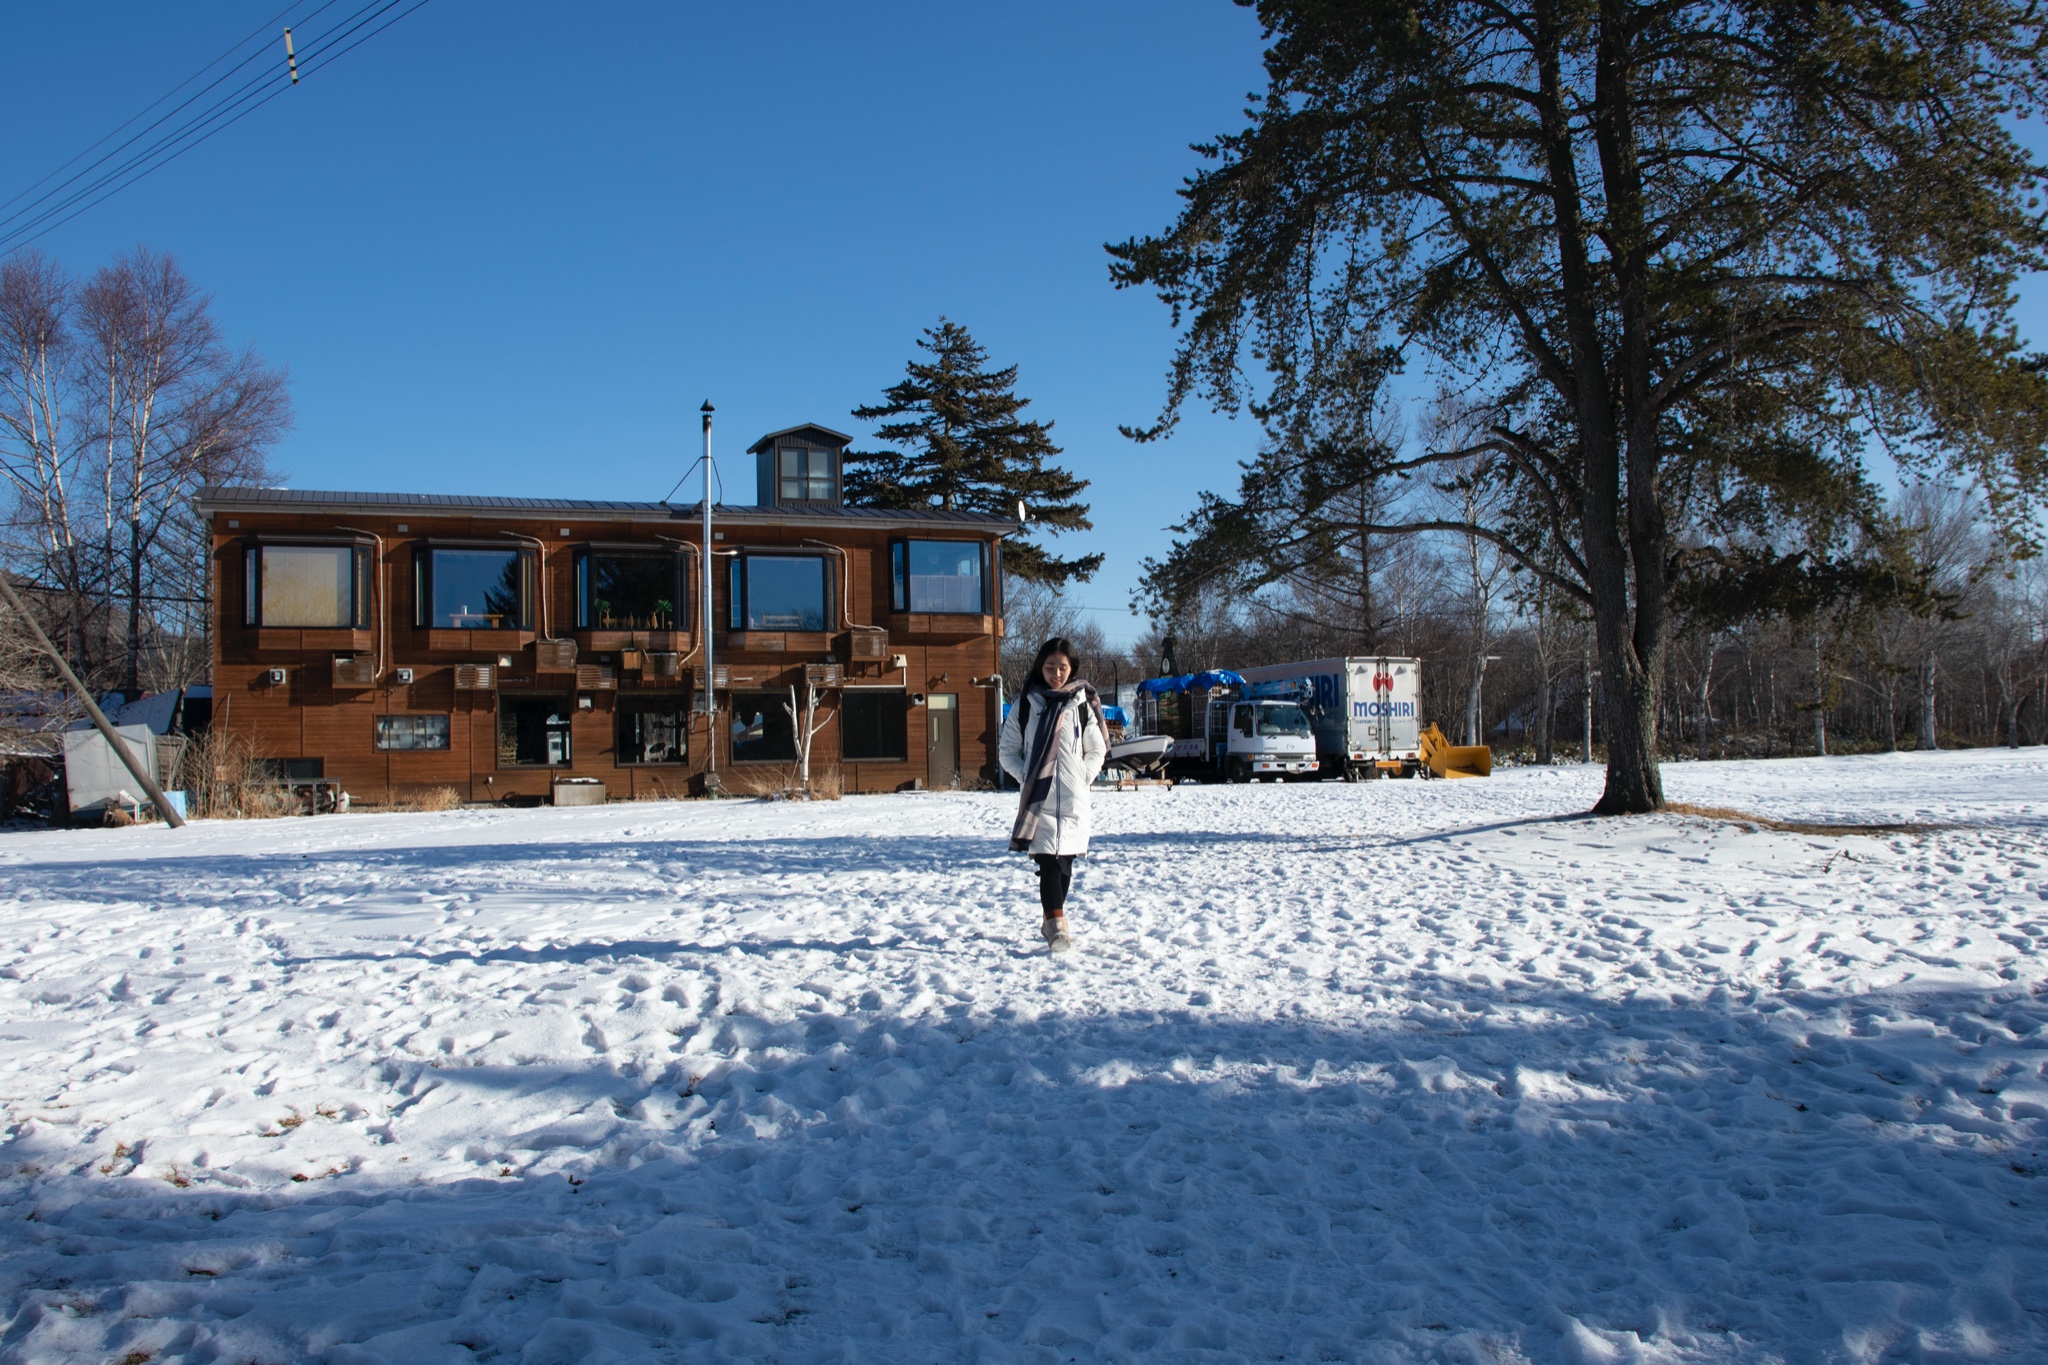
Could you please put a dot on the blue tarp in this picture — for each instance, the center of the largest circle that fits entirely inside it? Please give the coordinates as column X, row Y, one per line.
column 1215, row 677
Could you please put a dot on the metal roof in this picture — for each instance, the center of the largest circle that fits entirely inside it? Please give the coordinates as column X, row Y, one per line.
column 757, row 447
column 218, row 498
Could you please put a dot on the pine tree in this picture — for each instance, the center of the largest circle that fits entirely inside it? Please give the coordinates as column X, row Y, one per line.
column 961, row 444
column 1690, row 275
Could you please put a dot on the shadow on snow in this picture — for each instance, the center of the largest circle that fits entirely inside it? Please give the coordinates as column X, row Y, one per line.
column 1477, row 1175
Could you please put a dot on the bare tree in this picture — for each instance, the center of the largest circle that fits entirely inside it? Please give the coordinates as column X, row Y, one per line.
column 41, row 449
column 1036, row 612
column 2014, row 649
column 177, row 409
column 806, row 723
column 1947, row 556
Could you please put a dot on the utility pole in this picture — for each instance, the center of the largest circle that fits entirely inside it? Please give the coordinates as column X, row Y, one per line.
column 143, row 777
column 709, row 701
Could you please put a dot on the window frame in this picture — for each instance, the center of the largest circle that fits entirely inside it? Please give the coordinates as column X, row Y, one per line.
column 846, row 695
column 361, row 573
column 739, row 591
column 634, row 704
column 423, row 582
column 561, row 702
column 377, row 736
column 899, row 575
column 734, row 709
column 586, row 615
column 808, row 478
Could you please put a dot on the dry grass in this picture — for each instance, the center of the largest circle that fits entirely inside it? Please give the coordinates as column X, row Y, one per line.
column 221, row 774
column 783, row 783
column 827, row 784
column 1730, row 815
column 428, row 799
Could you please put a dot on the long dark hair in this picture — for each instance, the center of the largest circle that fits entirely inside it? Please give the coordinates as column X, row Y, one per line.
column 1058, row 644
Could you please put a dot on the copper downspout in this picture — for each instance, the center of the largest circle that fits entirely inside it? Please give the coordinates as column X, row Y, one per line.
column 541, row 549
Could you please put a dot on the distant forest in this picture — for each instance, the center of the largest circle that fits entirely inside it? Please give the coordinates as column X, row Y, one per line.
column 1956, row 656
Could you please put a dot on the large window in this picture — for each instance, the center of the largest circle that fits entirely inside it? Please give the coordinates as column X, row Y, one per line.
column 781, row 592
column 761, row 728
column 939, row 575
column 874, row 724
column 306, row 585
column 630, row 590
column 483, row 589
column 653, row 730
column 803, row 474
column 534, row 730
column 412, row 732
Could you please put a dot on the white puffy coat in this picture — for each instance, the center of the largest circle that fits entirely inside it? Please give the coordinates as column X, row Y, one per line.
column 1064, row 826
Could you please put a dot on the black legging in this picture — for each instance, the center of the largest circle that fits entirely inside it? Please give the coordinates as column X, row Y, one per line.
column 1055, row 879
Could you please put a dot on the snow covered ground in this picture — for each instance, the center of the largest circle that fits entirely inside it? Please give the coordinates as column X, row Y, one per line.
column 1395, row 1072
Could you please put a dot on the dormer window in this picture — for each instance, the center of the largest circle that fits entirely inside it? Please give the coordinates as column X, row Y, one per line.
column 799, row 466
column 805, row 473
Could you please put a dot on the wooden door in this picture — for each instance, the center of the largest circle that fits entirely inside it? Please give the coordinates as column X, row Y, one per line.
column 942, row 755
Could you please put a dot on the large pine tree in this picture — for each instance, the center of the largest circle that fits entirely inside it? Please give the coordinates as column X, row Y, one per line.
column 960, row 443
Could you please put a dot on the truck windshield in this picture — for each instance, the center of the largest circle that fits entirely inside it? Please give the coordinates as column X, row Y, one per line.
column 1285, row 719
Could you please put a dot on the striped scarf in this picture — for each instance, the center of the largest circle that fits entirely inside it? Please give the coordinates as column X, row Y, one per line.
column 1042, row 764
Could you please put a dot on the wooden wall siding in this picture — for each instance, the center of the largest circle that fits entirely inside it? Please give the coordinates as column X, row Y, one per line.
column 308, row 717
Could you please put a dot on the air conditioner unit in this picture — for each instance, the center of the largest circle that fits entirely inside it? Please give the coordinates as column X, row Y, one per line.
column 721, row 676
column 554, row 656
column 869, row 644
column 596, row 678
column 275, row 677
column 402, row 675
column 822, row 675
column 474, row 677
column 357, row 672
column 666, row 664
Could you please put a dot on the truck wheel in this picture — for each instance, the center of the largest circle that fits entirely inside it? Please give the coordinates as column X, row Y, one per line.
column 1237, row 770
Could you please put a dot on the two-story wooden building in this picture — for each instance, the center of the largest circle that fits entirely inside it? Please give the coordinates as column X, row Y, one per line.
column 398, row 642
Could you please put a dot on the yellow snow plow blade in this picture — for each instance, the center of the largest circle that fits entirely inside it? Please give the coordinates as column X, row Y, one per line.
column 1446, row 759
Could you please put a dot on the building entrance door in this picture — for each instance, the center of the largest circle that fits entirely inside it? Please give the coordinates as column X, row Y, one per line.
column 942, row 755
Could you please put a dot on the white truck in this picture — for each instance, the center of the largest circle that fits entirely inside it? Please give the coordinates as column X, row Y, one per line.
column 1221, row 733
column 1366, row 712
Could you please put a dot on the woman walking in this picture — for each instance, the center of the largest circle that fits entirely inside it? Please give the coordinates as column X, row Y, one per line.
column 1054, row 741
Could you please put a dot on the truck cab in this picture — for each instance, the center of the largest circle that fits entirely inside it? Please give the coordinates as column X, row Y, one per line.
column 1262, row 739
column 1221, row 731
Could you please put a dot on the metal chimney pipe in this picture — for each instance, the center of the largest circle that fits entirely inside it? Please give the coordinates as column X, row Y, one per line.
column 705, row 624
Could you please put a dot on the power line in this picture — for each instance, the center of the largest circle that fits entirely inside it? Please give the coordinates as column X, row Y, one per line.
column 73, row 197
column 223, row 114
column 243, row 42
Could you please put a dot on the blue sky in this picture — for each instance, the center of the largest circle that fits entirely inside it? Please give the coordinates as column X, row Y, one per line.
column 509, row 248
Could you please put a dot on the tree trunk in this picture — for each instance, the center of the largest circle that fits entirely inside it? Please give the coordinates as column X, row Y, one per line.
column 131, row 683
column 1475, row 704
column 1586, row 710
column 1706, row 701
column 1634, row 784
column 1543, row 704
column 1820, row 701
column 1928, row 739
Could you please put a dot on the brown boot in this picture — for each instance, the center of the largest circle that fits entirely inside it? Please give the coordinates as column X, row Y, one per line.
column 1055, row 932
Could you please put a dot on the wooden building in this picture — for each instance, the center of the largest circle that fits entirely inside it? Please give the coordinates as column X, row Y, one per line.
column 402, row 642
